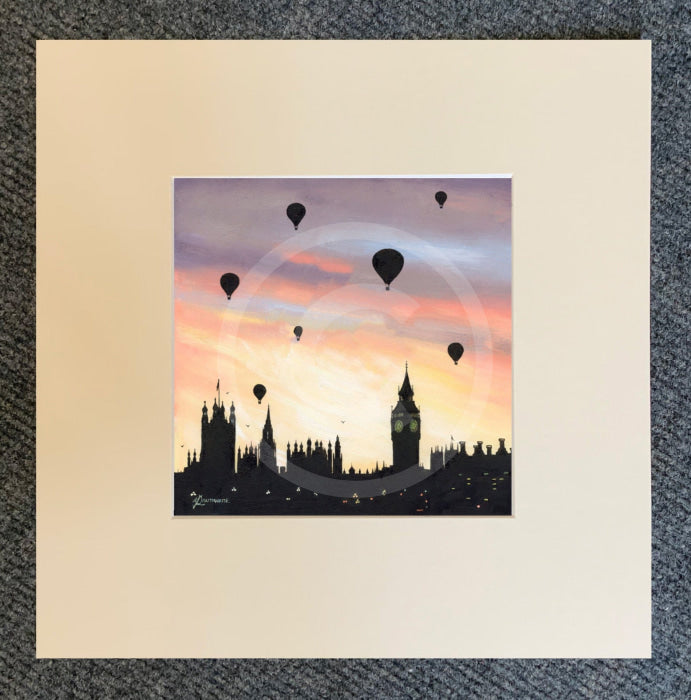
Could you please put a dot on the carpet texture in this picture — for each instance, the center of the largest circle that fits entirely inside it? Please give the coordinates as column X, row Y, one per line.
column 668, row 673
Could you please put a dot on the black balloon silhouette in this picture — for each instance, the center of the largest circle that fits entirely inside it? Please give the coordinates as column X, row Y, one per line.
column 296, row 212
column 229, row 282
column 259, row 391
column 387, row 264
column 441, row 198
column 455, row 352
column 298, row 332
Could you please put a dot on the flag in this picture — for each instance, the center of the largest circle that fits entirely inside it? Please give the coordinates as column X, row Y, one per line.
column 218, row 385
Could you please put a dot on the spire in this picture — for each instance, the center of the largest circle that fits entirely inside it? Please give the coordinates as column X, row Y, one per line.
column 268, row 417
column 405, row 393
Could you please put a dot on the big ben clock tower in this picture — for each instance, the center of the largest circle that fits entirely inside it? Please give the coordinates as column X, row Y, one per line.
column 405, row 428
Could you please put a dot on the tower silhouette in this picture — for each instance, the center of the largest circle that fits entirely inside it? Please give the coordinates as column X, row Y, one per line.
column 267, row 448
column 337, row 458
column 405, row 428
column 217, row 454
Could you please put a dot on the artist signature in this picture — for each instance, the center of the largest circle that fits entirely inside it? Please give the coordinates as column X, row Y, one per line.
column 199, row 501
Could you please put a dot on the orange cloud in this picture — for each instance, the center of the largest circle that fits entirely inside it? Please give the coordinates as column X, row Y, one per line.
column 334, row 380
column 496, row 312
column 324, row 263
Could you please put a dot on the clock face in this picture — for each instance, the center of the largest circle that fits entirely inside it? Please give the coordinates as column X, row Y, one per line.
column 398, row 426
column 413, row 425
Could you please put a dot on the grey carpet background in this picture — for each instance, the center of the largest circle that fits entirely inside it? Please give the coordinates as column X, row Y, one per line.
column 668, row 674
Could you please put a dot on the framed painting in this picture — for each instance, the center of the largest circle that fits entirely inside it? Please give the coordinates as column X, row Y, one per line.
column 343, row 346
column 172, row 175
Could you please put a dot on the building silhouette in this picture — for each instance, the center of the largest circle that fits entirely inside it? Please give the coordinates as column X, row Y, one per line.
column 217, row 453
column 267, row 448
column 405, row 428
column 316, row 458
column 440, row 457
column 247, row 480
column 248, row 460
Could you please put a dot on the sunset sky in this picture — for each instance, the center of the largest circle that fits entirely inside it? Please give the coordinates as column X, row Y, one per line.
column 342, row 377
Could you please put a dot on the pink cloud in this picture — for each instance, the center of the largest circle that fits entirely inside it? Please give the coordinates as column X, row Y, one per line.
column 324, row 263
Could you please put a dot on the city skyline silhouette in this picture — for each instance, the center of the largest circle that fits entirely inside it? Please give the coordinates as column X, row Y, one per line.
column 251, row 480
column 310, row 294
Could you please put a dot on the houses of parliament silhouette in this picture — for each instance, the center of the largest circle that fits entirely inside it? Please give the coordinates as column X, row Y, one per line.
column 230, row 480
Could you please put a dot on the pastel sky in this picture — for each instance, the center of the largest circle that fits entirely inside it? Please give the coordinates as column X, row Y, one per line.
column 342, row 377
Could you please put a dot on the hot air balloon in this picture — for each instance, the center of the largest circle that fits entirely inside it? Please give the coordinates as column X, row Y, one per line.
column 296, row 212
column 298, row 332
column 229, row 282
column 387, row 264
column 259, row 391
column 441, row 198
column 455, row 352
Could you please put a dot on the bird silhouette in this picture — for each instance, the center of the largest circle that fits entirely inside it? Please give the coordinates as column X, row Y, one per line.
column 342, row 421
column 246, row 426
column 181, row 445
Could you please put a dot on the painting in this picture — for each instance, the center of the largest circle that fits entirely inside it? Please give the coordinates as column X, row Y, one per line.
column 342, row 346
